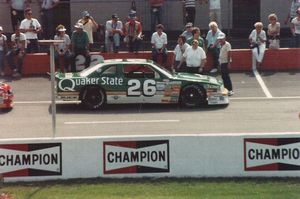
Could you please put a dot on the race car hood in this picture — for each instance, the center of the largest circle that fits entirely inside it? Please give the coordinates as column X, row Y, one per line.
column 66, row 75
column 197, row 78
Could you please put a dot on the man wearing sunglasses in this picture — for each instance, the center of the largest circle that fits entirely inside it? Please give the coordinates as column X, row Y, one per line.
column 195, row 58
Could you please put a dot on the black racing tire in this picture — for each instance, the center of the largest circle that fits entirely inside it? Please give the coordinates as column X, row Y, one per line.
column 193, row 96
column 93, row 97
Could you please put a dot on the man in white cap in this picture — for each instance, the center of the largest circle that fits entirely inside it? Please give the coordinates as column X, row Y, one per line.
column 80, row 46
column 113, row 33
column 89, row 25
column 3, row 47
column 225, row 59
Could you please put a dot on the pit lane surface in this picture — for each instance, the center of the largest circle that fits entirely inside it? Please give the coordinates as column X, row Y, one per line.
column 251, row 110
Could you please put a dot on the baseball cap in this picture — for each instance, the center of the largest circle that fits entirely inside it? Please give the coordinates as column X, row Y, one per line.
column 62, row 29
column 79, row 25
column 85, row 13
column 1, row 29
column 132, row 14
column 221, row 36
column 114, row 16
column 188, row 25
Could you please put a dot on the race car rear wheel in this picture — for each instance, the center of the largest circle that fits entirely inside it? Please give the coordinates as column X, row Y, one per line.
column 93, row 97
column 193, row 96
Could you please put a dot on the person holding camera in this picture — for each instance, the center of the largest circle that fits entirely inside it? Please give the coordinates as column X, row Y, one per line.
column 16, row 54
column 62, row 50
column 113, row 34
column 257, row 41
column 31, row 27
column 89, row 25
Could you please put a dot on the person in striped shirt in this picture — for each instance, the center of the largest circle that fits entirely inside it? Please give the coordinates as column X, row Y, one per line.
column 190, row 10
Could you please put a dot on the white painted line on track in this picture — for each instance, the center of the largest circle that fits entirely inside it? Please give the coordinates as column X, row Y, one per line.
column 231, row 98
column 262, row 83
column 122, row 122
column 264, row 98
column 46, row 102
column 258, row 134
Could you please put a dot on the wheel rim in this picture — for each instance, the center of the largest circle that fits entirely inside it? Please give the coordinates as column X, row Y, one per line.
column 193, row 96
column 93, row 98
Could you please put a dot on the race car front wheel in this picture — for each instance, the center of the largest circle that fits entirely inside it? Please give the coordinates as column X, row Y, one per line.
column 93, row 97
column 193, row 96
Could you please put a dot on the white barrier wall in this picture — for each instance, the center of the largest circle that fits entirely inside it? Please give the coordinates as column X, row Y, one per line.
column 267, row 155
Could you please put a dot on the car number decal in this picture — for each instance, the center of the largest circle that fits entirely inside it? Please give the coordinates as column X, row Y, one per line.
column 148, row 89
column 80, row 61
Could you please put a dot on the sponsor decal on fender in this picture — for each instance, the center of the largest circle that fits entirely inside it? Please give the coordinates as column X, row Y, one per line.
column 18, row 160
column 125, row 157
column 68, row 84
column 271, row 154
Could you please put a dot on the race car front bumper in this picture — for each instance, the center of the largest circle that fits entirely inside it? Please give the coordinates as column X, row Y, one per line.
column 6, row 102
column 215, row 98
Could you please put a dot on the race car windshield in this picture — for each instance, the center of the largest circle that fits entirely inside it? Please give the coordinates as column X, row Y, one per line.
column 163, row 70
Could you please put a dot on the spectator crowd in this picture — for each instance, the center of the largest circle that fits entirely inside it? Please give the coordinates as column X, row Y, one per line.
column 189, row 54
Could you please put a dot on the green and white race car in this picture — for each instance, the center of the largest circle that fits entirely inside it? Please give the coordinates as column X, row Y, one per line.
column 119, row 81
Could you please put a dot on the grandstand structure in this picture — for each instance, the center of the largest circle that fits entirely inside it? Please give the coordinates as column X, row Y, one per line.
column 237, row 15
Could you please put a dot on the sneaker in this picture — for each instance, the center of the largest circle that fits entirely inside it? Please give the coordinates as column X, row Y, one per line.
column 16, row 74
column 230, row 93
column 214, row 70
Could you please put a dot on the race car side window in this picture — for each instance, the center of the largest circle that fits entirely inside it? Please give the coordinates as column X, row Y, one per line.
column 155, row 73
column 139, row 71
column 111, row 70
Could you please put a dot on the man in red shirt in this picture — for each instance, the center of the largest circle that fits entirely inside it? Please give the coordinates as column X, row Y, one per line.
column 133, row 33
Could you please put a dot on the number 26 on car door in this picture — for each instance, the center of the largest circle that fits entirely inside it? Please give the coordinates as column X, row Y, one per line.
column 137, row 88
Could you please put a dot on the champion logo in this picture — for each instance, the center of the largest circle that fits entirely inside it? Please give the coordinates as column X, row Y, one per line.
column 18, row 160
column 123, row 157
column 272, row 154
